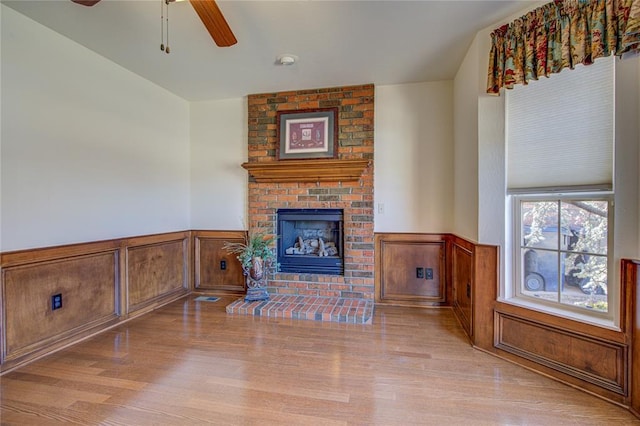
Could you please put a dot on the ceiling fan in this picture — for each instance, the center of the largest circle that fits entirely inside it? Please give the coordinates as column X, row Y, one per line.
column 209, row 14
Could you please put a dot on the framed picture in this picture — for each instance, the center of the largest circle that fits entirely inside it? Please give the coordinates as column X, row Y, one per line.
column 311, row 133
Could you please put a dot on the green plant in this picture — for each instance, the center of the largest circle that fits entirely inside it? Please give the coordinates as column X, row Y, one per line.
column 256, row 244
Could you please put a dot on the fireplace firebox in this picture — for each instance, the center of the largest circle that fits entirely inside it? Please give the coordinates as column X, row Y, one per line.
column 310, row 241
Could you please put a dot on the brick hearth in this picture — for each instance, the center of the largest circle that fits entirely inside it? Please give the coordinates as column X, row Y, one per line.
column 355, row 141
column 333, row 309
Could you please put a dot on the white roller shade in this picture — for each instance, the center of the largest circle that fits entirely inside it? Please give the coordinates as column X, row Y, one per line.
column 560, row 129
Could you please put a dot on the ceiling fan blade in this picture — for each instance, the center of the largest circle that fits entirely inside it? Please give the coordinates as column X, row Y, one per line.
column 214, row 21
column 86, row 2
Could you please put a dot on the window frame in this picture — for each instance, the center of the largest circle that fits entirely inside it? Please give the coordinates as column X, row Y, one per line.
column 556, row 307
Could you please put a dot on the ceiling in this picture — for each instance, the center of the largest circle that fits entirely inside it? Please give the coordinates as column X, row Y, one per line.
column 337, row 42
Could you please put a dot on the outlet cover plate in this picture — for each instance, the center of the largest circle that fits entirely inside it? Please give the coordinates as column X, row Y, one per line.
column 428, row 273
column 56, row 301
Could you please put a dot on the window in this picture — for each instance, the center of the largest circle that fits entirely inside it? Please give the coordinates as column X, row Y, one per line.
column 563, row 250
column 560, row 185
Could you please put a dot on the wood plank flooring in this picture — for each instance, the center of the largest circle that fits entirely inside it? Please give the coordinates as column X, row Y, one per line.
column 189, row 363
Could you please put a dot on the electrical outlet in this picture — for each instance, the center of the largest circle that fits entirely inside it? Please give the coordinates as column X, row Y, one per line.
column 419, row 272
column 56, row 302
column 223, row 264
column 428, row 273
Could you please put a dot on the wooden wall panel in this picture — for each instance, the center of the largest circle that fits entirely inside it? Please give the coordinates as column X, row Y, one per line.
column 593, row 360
column 461, row 282
column 209, row 252
column 485, row 281
column 92, row 279
column 397, row 258
column 155, row 271
column 631, row 278
column 596, row 359
column 88, row 285
column 474, row 270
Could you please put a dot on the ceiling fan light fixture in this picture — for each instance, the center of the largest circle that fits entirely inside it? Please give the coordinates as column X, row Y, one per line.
column 286, row 59
column 86, row 2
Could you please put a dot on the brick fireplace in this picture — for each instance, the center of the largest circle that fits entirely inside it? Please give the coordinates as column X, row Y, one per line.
column 354, row 197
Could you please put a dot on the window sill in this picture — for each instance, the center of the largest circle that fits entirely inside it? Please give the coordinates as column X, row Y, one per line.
column 562, row 313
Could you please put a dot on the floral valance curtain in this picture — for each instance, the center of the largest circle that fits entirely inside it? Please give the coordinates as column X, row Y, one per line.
column 560, row 35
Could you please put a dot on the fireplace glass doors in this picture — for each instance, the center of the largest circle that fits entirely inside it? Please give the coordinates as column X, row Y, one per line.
column 310, row 241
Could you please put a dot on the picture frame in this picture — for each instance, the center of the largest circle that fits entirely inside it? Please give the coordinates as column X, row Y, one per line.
column 309, row 133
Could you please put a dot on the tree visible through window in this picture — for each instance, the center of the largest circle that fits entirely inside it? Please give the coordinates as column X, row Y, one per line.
column 563, row 250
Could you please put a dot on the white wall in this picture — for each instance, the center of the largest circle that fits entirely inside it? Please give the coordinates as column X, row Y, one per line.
column 89, row 150
column 1, row 20
column 218, row 148
column 491, row 150
column 638, row 123
column 626, row 174
column 414, row 157
column 413, row 160
column 465, row 124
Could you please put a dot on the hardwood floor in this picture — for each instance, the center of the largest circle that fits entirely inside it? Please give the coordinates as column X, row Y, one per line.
column 191, row 363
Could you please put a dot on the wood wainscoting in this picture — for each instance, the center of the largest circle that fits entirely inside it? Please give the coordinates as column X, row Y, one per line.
column 101, row 284
column 87, row 285
column 215, row 269
column 601, row 362
column 456, row 264
column 631, row 280
column 410, row 269
column 596, row 359
column 462, row 277
column 474, row 278
column 156, row 268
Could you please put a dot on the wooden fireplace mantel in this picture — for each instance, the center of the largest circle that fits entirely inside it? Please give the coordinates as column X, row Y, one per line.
column 313, row 170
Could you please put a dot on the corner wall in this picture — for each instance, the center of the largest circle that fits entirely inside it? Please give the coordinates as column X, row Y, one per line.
column 414, row 188
column 465, row 150
column 218, row 148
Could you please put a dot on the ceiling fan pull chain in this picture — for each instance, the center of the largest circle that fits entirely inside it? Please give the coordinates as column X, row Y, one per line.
column 162, row 25
column 167, row 48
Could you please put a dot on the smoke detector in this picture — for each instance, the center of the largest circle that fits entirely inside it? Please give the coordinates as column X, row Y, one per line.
column 286, row 59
